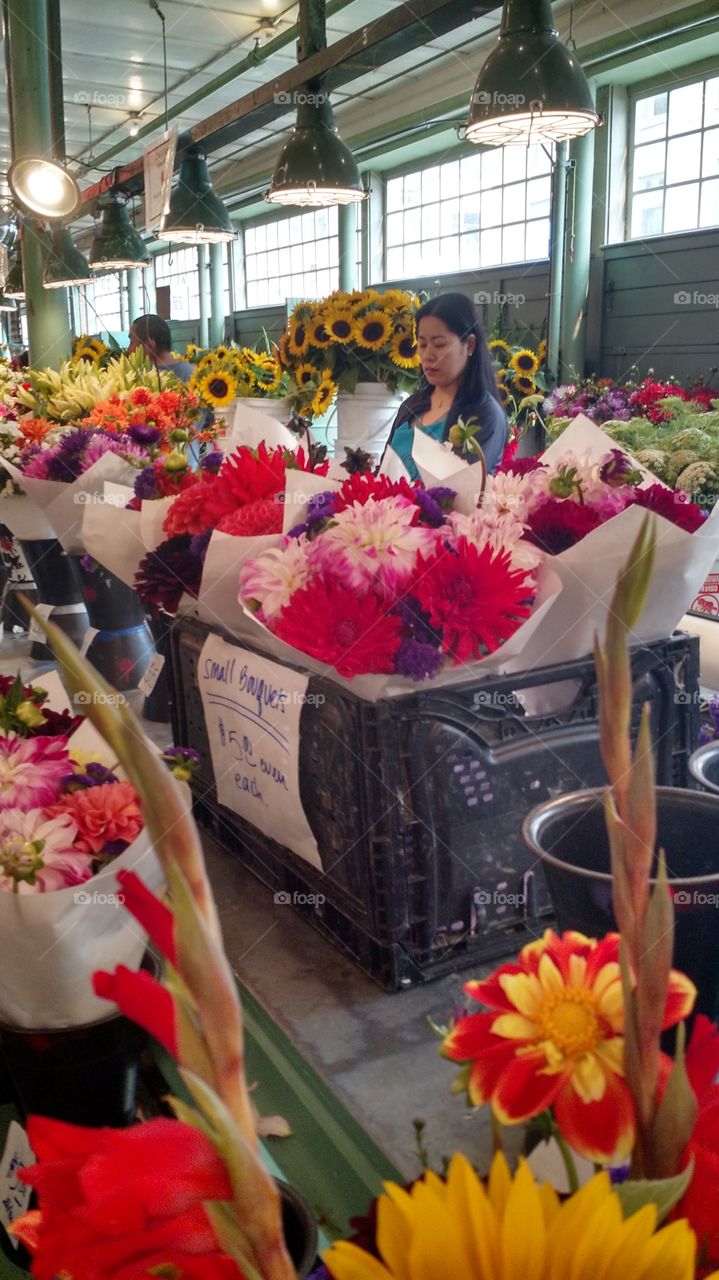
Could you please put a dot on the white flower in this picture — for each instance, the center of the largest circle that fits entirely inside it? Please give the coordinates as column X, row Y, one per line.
column 506, row 493
column 273, row 577
column 501, row 531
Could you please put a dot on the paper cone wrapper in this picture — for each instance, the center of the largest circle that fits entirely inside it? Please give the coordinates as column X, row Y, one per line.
column 63, row 504
column 119, row 539
column 217, row 603
column 251, row 427
column 25, row 520
column 52, row 943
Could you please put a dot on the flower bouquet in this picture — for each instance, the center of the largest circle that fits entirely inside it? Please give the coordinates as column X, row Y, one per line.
column 603, row 400
column 346, row 338
column 72, row 391
column 385, row 579
column 69, row 821
column 522, row 382
column 228, row 515
column 225, row 374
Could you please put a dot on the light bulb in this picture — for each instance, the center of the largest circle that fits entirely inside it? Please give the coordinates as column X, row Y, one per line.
column 46, row 185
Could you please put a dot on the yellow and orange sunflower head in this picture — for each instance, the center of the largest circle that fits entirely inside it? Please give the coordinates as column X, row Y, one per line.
column 524, row 384
column 511, row 1229
column 323, row 397
column 554, row 1038
column 403, row 349
column 524, row 362
column 542, row 351
column 319, row 334
column 372, row 330
column 219, row 389
column 298, row 339
column 304, row 374
column 340, row 323
column 500, row 349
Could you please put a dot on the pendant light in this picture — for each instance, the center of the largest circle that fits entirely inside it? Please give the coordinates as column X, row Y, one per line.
column 315, row 167
column 7, row 304
column 531, row 87
column 196, row 215
column 44, row 188
column 65, row 265
column 14, row 286
column 117, row 245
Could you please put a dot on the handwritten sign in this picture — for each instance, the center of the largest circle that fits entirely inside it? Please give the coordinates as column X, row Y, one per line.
column 158, row 162
column 252, row 712
column 14, row 1194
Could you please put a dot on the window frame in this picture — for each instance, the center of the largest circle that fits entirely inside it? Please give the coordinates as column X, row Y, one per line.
column 263, row 220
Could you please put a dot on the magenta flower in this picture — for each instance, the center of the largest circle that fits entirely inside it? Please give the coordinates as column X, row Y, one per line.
column 31, row 771
column 37, row 853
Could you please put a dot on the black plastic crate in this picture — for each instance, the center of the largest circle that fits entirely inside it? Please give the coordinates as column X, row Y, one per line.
column 417, row 802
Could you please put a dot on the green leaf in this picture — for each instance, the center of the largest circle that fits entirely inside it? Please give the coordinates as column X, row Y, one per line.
column 663, row 1192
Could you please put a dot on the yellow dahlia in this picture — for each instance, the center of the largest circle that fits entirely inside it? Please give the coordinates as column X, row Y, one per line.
column 323, row 397
column 403, row 350
column 372, row 330
column 219, row 389
column 524, row 361
column 511, row 1229
column 340, row 324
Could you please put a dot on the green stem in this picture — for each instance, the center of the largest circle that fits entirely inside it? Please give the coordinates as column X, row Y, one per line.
column 568, row 1159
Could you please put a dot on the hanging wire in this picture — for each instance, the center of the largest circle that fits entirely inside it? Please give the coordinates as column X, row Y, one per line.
column 570, row 38
column 156, row 8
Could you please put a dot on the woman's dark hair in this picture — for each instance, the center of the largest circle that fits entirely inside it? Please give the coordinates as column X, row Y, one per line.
column 152, row 328
column 459, row 314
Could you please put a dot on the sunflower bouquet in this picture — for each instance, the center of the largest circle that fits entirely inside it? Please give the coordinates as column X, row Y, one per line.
column 229, row 373
column 88, row 349
column 346, row 338
column 521, row 380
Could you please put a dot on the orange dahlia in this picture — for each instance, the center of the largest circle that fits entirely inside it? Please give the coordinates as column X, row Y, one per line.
column 555, row 1039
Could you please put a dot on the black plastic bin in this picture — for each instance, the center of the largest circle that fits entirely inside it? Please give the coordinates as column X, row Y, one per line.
column 417, row 802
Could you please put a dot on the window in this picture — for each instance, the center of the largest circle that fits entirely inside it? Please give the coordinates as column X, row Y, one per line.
column 295, row 257
column 103, row 307
column 178, row 268
column 480, row 211
column 675, row 160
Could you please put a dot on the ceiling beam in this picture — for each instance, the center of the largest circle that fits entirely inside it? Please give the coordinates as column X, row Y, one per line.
column 406, row 27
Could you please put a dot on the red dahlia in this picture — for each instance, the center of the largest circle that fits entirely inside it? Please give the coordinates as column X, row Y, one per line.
column 672, row 504
column 200, row 507
column 346, row 629
column 262, row 516
column 557, row 524
column 362, row 486
column 473, row 597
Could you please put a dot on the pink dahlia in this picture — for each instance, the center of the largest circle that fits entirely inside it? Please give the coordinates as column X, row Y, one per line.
column 105, row 815
column 39, row 853
column 375, row 545
column 31, row 771
column 270, row 579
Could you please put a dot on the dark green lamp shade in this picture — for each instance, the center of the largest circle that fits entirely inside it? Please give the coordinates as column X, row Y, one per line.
column 14, row 285
column 196, row 215
column 315, row 166
column 65, row 265
column 117, row 244
column 531, row 87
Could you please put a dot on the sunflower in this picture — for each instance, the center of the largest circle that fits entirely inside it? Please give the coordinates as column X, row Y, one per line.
column 503, row 394
column 299, row 338
column 364, row 298
column 323, row 397
column 526, row 385
column 219, row 389
column 509, row 1227
column 221, row 352
column 542, row 351
column 97, row 345
column 207, row 362
column 191, row 350
column 403, row 350
column 396, row 300
column 318, row 332
column 340, row 324
column 283, row 354
column 500, row 376
column 524, row 361
column 85, row 353
column 305, row 373
column 372, row 330
column 404, row 320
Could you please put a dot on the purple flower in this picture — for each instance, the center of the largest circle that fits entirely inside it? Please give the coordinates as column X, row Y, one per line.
column 417, row 621
column 181, row 753
column 94, row 775
column 416, row 660
column 710, row 732
column 212, row 461
column 618, row 470
column 144, row 433
column 434, row 504
column 146, row 485
column 199, row 542
column 88, row 563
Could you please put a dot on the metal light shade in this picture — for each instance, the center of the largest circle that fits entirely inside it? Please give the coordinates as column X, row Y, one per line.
column 531, row 87
column 196, row 215
column 14, row 286
column 65, row 265
column 315, row 166
column 117, row 245
column 44, row 187
column 7, row 304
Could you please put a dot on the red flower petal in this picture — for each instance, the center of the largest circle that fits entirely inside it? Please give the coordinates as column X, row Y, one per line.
column 153, row 915
column 521, row 1091
column 598, row 1130
column 489, row 991
column 703, row 1056
column 680, row 999
column 143, row 1000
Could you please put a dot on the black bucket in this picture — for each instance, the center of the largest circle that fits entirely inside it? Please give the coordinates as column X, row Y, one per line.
column 704, row 767
column 570, row 837
column 300, row 1229
column 123, row 646
column 58, row 586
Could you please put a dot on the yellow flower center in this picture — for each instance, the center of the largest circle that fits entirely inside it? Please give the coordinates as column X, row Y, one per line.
column 569, row 1018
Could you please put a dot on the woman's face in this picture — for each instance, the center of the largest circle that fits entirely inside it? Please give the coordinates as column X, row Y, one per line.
column 443, row 355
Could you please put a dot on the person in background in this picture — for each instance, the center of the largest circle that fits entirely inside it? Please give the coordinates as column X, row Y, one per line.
column 152, row 333
column 458, row 382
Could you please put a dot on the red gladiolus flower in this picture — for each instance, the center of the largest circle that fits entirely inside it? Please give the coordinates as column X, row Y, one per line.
column 124, row 1203
column 699, row 1202
column 555, row 1039
column 473, row 597
column 260, row 517
column 142, row 1000
column 350, row 631
column 156, row 919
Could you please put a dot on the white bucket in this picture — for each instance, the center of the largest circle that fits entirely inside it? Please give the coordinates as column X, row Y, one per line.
column 365, row 417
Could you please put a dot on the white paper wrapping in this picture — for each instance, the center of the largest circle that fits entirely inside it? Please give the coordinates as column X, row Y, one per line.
column 251, row 427
column 24, row 519
column 51, row 944
column 252, row 711
column 119, row 539
column 64, row 504
column 217, row 603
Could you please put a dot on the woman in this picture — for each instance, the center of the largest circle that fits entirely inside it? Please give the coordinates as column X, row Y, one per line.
column 458, row 383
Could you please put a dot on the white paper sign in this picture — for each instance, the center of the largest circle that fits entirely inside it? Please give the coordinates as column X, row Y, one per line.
column 36, row 634
column 158, row 161
column 252, row 712
column 147, row 682
column 14, row 1194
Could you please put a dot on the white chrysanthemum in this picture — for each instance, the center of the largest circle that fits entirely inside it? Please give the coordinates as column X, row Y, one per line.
column 272, row 577
column 374, row 544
